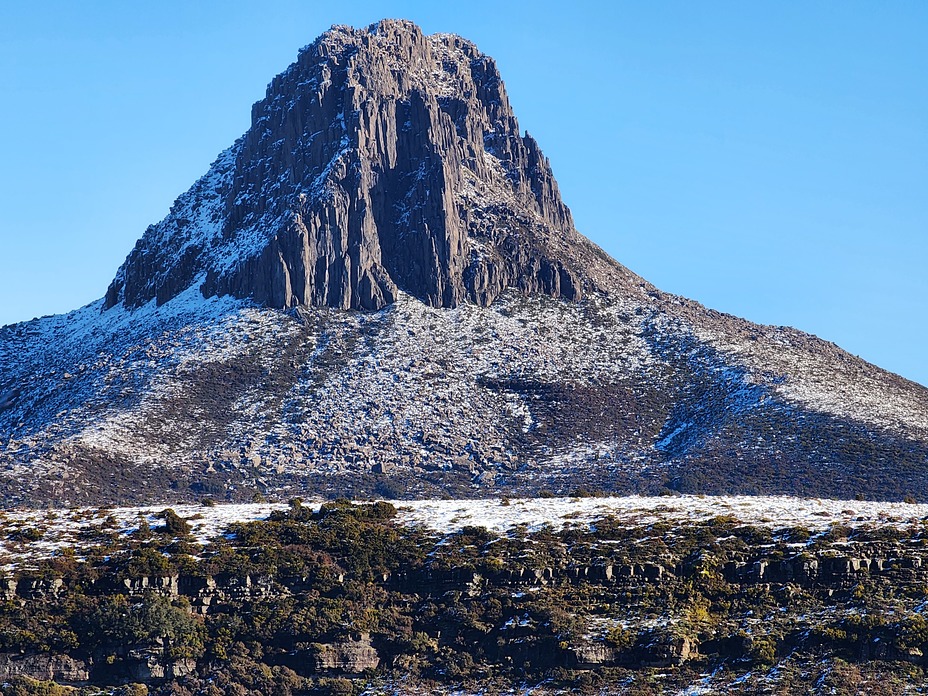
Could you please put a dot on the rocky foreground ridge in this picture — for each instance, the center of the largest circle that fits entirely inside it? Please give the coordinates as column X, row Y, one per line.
column 313, row 598
column 377, row 290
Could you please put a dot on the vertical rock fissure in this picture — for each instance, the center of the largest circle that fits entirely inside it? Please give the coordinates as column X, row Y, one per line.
column 382, row 161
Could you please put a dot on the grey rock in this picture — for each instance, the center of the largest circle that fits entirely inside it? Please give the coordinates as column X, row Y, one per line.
column 590, row 655
column 351, row 655
column 382, row 160
column 57, row 668
column 167, row 585
column 668, row 649
column 146, row 665
column 35, row 588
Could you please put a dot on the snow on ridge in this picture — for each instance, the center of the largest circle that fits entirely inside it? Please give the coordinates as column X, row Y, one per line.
column 62, row 528
column 775, row 512
column 194, row 223
column 127, row 363
column 207, row 331
column 823, row 377
column 104, row 362
column 389, row 381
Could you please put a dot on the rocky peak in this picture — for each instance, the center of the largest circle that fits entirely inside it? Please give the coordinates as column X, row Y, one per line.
column 382, row 160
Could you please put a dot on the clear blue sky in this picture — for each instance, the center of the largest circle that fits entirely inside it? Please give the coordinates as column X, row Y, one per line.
column 768, row 159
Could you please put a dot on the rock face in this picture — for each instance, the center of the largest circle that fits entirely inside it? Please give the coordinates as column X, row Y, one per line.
column 383, row 160
column 43, row 667
column 352, row 655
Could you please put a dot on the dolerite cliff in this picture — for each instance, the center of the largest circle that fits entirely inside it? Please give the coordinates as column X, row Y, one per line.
column 377, row 290
column 381, row 161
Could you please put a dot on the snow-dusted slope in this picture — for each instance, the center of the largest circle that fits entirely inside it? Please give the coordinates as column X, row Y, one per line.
column 225, row 398
column 72, row 528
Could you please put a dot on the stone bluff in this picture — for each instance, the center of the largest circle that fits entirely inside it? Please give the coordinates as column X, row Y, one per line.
column 382, row 160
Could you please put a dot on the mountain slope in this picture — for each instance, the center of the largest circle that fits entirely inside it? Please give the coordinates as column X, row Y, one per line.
column 497, row 350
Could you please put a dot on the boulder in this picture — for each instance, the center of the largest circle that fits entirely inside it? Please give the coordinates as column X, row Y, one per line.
column 350, row 655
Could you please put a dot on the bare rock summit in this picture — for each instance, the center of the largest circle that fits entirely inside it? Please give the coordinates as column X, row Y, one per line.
column 382, row 160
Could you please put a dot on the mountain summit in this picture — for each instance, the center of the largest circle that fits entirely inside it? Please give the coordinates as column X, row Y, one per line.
column 382, row 161
column 498, row 351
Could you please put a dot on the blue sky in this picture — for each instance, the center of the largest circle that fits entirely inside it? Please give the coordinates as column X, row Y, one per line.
column 767, row 159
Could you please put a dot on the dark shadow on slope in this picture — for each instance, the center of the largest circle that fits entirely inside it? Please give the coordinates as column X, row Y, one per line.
column 565, row 415
column 776, row 449
column 728, row 435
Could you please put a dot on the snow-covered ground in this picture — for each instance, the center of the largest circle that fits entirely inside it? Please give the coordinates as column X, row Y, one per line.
column 776, row 512
column 364, row 388
column 64, row 528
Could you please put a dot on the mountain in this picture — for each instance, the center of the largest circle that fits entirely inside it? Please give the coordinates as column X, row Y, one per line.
column 378, row 290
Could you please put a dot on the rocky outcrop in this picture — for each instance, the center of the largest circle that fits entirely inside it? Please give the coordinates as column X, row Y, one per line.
column 589, row 655
column 351, row 655
column 667, row 649
column 147, row 665
column 824, row 571
column 43, row 667
column 383, row 160
column 204, row 593
column 31, row 588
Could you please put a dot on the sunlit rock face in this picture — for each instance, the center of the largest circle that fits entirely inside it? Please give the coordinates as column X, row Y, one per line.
column 382, row 160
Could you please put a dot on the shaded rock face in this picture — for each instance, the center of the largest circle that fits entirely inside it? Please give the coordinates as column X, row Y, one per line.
column 43, row 667
column 383, row 160
column 352, row 655
column 149, row 666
